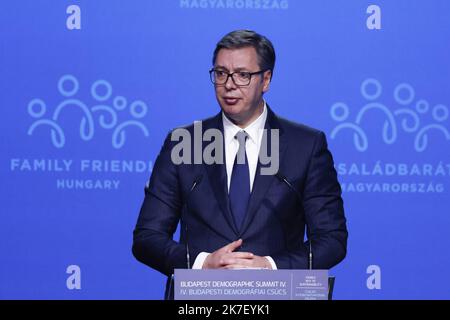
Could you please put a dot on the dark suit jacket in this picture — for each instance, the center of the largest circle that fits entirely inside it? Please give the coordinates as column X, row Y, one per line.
column 276, row 217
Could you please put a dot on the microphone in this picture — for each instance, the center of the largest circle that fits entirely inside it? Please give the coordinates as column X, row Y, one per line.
column 196, row 182
column 282, row 178
column 147, row 187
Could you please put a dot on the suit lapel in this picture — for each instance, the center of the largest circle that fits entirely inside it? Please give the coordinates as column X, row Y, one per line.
column 217, row 175
column 262, row 182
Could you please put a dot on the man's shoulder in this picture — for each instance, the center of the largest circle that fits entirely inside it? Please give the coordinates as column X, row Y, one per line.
column 211, row 122
column 297, row 129
column 290, row 127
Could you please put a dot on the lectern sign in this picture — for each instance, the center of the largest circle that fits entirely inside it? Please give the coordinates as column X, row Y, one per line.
column 251, row 284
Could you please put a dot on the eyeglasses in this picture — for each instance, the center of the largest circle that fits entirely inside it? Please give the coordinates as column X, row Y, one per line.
column 240, row 78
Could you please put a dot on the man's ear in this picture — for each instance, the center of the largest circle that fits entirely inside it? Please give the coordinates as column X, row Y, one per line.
column 266, row 79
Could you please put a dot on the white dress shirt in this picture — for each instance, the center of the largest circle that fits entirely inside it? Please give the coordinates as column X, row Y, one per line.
column 252, row 145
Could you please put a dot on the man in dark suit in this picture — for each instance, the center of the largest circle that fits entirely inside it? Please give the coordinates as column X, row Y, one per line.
column 233, row 214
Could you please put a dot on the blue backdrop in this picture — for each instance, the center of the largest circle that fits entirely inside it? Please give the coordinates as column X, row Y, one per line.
column 89, row 89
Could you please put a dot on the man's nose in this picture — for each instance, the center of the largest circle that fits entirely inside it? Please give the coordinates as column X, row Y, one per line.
column 229, row 84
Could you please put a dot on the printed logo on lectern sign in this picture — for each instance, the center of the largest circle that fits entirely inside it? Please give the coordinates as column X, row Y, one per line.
column 109, row 122
column 408, row 143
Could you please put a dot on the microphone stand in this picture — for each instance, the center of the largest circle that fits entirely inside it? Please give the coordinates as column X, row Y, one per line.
column 310, row 253
column 169, row 295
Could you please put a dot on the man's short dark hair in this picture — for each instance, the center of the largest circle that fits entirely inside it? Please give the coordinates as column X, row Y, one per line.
column 247, row 38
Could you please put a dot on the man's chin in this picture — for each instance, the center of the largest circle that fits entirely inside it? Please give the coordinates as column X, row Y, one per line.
column 234, row 114
column 231, row 110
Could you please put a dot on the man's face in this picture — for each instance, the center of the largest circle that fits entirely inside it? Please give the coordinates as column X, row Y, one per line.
column 242, row 104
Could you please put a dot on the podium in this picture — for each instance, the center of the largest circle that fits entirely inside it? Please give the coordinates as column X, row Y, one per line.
column 251, row 284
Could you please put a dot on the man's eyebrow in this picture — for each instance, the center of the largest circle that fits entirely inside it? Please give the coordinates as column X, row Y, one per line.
column 235, row 70
column 221, row 67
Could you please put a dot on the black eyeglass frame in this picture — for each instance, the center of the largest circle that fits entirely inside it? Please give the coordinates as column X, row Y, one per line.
column 250, row 74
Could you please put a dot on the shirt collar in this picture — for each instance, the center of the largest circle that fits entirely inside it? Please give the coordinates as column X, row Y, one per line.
column 253, row 129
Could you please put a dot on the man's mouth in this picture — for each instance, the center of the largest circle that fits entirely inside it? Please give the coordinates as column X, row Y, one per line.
column 230, row 100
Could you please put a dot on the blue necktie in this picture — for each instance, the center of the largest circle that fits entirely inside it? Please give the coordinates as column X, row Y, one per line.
column 240, row 182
